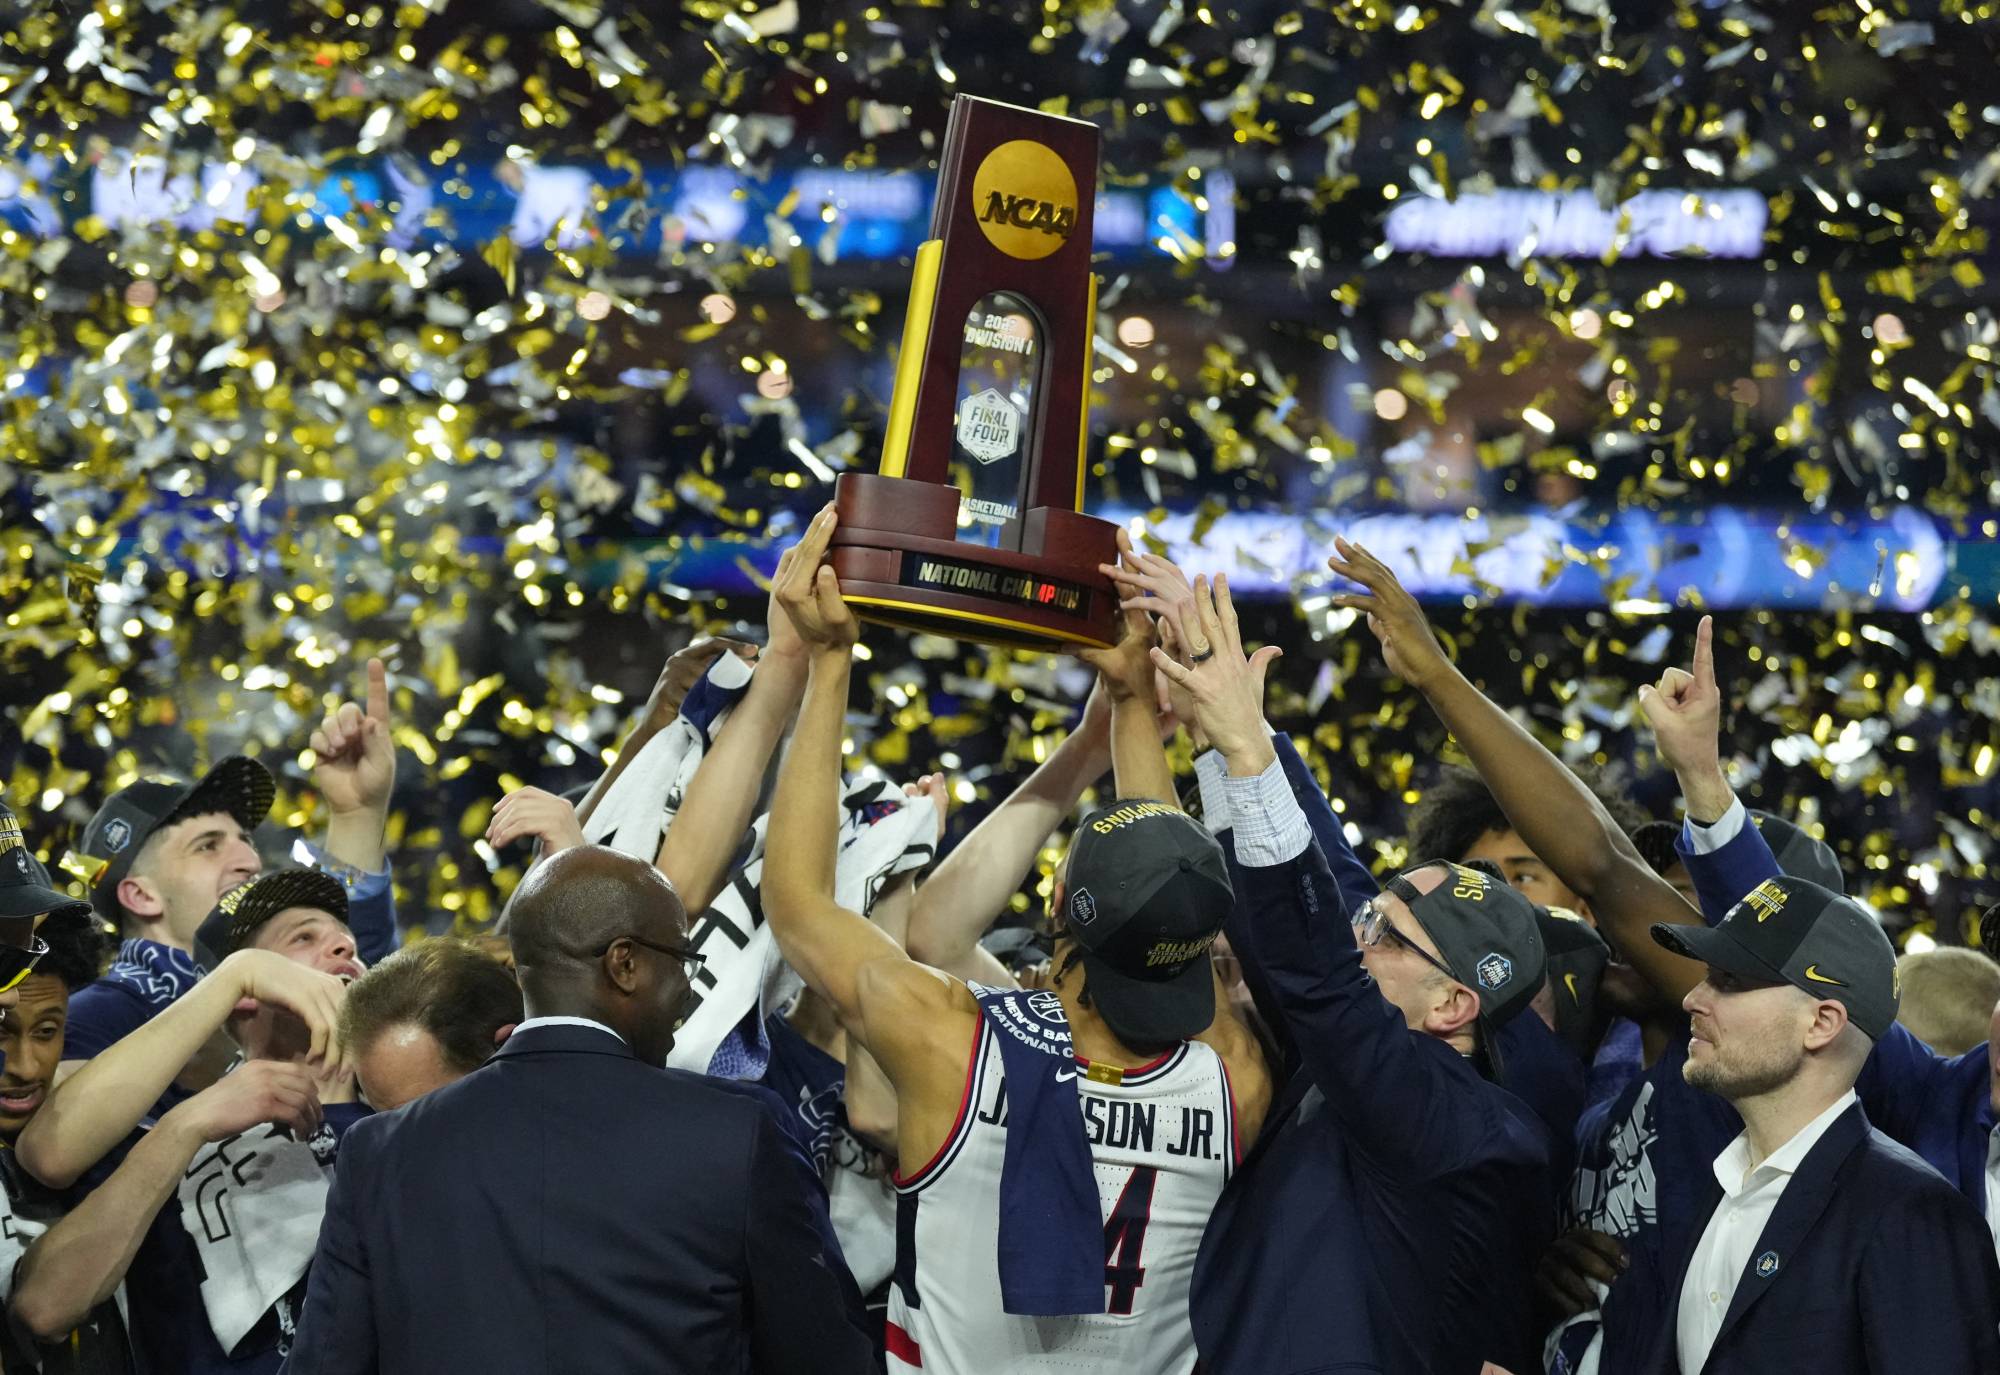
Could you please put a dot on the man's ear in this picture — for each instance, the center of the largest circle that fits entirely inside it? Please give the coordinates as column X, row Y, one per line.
column 1454, row 1010
column 500, row 1034
column 138, row 896
column 620, row 967
column 1828, row 1022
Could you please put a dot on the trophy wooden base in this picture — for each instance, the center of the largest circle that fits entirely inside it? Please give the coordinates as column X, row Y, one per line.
column 899, row 562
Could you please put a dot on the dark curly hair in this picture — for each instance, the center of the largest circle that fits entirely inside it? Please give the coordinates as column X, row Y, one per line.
column 79, row 947
column 1456, row 810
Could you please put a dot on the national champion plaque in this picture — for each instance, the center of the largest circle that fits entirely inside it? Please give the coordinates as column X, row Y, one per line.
column 973, row 527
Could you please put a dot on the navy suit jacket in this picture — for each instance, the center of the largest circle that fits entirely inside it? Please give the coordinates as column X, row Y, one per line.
column 566, row 1208
column 1390, row 1216
column 1871, row 1265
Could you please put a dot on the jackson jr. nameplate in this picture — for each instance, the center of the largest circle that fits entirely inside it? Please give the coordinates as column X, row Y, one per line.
column 973, row 526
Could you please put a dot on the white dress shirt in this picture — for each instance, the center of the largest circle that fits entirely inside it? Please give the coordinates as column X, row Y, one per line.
column 1707, row 839
column 534, row 1022
column 1749, row 1197
column 1993, row 1187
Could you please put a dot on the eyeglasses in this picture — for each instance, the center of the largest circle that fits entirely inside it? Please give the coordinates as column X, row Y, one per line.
column 17, row 962
column 1372, row 923
column 691, row 963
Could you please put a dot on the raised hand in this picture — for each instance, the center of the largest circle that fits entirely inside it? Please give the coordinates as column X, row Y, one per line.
column 1125, row 669
column 260, row 1091
column 1225, row 685
column 1685, row 709
column 533, row 813
column 807, row 594
column 686, row 667
column 1150, row 583
column 932, row 788
column 1408, row 646
column 355, row 767
column 256, row 977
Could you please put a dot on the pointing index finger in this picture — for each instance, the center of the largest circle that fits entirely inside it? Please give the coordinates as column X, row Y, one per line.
column 378, row 692
column 1704, row 655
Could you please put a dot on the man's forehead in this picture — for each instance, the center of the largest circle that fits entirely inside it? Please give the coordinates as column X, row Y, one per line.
column 293, row 920
column 39, row 994
column 190, row 828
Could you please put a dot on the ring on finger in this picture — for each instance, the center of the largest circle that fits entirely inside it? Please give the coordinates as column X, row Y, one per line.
column 1201, row 656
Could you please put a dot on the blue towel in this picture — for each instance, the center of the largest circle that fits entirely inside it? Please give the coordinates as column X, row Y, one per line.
column 1051, row 1224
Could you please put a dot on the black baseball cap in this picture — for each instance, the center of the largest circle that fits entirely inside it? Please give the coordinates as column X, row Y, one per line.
column 1798, row 853
column 248, row 906
column 1577, row 957
column 238, row 786
column 1148, row 893
column 1486, row 933
column 1794, row 931
column 26, row 890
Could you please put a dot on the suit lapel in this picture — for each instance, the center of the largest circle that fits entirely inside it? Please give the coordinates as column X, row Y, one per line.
column 1799, row 1207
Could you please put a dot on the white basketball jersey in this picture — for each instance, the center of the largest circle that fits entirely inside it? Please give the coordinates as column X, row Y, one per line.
column 1162, row 1144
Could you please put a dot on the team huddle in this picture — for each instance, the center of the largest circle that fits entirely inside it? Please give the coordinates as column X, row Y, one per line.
column 752, row 1079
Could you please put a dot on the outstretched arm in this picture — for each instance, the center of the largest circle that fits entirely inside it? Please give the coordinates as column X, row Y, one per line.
column 700, row 845
column 685, row 667
column 1125, row 672
column 970, row 889
column 1562, row 822
column 95, row 1108
column 916, row 1021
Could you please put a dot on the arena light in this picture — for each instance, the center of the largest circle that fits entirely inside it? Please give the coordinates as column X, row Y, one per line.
column 1391, row 404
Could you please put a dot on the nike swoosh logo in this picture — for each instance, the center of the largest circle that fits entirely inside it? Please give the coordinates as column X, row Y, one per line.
column 1065, row 1074
column 1569, row 981
column 1812, row 972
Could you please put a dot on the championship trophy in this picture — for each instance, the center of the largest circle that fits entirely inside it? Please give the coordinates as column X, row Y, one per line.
column 972, row 527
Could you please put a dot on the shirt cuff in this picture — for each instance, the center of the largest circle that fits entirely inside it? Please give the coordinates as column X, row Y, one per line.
column 1706, row 840
column 1209, row 771
column 1268, row 825
column 361, row 884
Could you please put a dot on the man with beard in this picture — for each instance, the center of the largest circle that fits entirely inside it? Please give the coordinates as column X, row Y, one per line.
column 1820, row 1238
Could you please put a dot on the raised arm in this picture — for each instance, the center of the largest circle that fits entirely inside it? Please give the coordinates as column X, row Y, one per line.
column 95, row 1108
column 971, row 887
column 355, row 773
column 1685, row 712
column 685, row 667
column 1138, row 759
column 909, row 1016
column 1566, row 827
column 699, row 848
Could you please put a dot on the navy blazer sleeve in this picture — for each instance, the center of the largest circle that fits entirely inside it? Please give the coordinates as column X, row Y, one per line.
column 1400, row 1097
column 1722, row 877
column 1930, row 1290
column 336, row 1333
column 805, row 1315
column 1355, row 883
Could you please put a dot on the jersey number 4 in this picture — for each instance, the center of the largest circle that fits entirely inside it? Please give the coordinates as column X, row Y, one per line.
column 1125, row 1240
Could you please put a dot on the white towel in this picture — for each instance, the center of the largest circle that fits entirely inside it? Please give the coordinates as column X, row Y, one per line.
column 881, row 835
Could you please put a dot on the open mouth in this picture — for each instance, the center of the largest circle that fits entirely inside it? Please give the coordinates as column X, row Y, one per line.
column 346, row 971
column 19, row 1102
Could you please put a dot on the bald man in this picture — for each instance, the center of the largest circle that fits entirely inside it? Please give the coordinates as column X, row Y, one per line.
column 572, row 1205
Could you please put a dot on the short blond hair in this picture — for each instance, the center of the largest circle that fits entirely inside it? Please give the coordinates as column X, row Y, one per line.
column 1948, row 997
